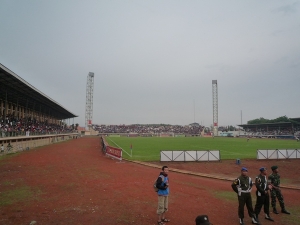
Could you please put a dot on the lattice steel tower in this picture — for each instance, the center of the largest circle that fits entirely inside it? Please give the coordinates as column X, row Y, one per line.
column 89, row 101
column 215, row 107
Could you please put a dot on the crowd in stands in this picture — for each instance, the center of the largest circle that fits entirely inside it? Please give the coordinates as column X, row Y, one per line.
column 14, row 126
column 272, row 132
column 228, row 128
column 149, row 129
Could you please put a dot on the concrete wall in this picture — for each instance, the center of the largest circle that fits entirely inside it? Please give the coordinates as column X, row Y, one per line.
column 22, row 143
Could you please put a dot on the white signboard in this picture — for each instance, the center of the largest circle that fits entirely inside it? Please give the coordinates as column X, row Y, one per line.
column 190, row 155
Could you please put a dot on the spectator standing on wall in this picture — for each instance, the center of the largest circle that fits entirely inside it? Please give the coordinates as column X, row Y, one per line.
column 163, row 195
column 9, row 147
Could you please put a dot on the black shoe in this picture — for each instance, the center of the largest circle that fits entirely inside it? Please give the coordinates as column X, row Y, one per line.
column 267, row 217
column 256, row 218
column 241, row 222
column 254, row 221
column 275, row 211
column 284, row 211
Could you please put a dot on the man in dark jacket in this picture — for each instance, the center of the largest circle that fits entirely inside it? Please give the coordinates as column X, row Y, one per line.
column 243, row 186
column 262, row 194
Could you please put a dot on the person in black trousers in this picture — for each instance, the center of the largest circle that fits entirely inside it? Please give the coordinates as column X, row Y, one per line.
column 243, row 186
column 262, row 194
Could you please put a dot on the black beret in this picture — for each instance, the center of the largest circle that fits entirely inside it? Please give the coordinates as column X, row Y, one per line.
column 274, row 167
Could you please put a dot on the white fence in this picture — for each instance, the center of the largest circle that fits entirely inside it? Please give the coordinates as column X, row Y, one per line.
column 278, row 154
column 184, row 156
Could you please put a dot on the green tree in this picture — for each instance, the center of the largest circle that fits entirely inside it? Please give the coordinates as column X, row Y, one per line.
column 263, row 120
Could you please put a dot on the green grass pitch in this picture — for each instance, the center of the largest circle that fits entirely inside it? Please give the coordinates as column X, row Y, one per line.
column 148, row 148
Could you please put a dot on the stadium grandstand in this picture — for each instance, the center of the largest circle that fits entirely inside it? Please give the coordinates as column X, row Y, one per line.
column 284, row 130
column 27, row 111
column 148, row 130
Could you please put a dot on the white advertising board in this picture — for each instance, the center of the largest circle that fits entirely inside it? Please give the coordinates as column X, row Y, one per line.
column 190, row 155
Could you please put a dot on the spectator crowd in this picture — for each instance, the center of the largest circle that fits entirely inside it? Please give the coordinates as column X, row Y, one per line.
column 272, row 132
column 192, row 129
column 14, row 126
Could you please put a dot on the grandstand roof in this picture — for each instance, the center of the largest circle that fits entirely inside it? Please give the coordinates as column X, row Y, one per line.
column 17, row 90
column 195, row 124
column 296, row 119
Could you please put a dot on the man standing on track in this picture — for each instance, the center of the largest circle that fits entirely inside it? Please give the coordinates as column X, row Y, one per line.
column 243, row 186
column 274, row 179
column 163, row 195
column 262, row 194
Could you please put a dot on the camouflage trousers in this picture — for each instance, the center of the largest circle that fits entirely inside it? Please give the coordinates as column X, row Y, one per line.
column 274, row 194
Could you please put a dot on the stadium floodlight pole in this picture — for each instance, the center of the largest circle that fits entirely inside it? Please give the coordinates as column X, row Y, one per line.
column 89, row 100
column 215, row 106
column 241, row 117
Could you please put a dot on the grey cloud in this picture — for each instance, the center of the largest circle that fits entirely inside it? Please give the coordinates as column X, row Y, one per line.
column 152, row 58
column 220, row 67
column 277, row 33
column 287, row 9
column 295, row 64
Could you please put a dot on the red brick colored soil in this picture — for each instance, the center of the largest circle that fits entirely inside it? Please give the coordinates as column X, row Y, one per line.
column 74, row 183
column 288, row 168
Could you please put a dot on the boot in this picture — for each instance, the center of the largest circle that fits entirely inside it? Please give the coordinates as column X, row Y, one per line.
column 254, row 221
column 285, row 211
column 241, row 221
column 267, row 217
column 275, row 211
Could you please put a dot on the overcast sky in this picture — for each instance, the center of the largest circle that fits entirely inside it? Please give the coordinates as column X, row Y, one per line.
column 154, row 61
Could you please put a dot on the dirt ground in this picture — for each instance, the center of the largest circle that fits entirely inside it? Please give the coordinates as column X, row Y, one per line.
column 228, row 169
column 74, row 183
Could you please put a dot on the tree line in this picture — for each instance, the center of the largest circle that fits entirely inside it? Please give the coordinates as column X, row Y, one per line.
column 280, row 119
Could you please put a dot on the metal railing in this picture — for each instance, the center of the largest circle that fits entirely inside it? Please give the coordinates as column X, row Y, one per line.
column 4, row 134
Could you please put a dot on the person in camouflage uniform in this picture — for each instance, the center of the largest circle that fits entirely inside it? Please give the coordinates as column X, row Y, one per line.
column 274, row 180
column 262, row 194
column 243, row 186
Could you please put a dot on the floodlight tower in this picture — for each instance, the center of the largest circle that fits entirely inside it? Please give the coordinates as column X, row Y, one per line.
column 89, row 100
column 215, row 107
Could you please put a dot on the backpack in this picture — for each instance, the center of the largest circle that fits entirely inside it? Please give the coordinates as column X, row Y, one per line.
column 154, row 185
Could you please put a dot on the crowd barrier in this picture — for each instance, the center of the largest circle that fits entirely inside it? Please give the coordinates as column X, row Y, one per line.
column 185, row 156
column 278, row 154
column 4, row 134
